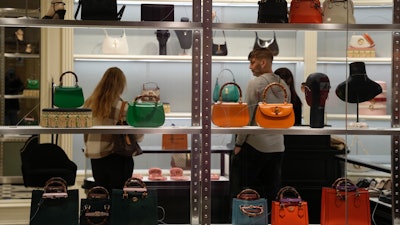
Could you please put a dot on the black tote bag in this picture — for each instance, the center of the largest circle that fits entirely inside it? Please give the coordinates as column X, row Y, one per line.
column 99, row 10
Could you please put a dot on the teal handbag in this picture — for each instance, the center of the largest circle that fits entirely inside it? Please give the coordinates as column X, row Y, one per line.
column 145, row 114
column 68, row 96
column 249, row 208
column 134, row 204
column 230, row 92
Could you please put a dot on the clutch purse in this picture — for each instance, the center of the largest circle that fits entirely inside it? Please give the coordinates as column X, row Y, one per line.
column 274, row 115
column 230, row 114
column 68, row 96
column 145, row 114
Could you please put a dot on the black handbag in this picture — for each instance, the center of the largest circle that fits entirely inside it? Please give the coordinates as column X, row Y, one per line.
column 96, row 208
column 272, row 11
column 271, row 44
column 99, row 10
column 220, row 49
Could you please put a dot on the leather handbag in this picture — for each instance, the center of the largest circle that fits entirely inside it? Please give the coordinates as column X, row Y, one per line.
column 152, row 89
column 125, row 144
column 68, row 96
column 345, row 203
column 289, row 208
column 275, row 115
column 220, row 49
column 134, row 204
column 96, row 208
column 272, row 11
column 145, row 114
column 55, row 204
column 338, row 11
column 115, row 45
column 249, row 208
column 230, row 114
column 230, row 93
column 99, row 10
column 305, row 11
column 271, row 44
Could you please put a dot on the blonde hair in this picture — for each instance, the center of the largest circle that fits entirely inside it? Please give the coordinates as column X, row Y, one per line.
column 107, row 91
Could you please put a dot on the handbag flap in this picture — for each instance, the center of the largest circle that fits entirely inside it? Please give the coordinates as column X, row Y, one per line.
column 276, row 110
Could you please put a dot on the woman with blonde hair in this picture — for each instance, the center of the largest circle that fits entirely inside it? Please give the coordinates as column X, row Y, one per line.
column 109, row 170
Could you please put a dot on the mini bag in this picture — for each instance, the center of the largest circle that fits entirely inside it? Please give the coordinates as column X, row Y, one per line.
column 115, row 45
column 305, row 11
column 275, row 115
column 230, row 92
column 230, row 114
column 68, row 96
column 338, row 11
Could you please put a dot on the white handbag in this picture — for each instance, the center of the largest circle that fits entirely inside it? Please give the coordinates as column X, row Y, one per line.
column 338, row 11
column 361, row 41
column 115, row 45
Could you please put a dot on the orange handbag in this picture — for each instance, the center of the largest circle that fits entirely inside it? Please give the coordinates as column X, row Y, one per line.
column 289, row 208
column 345, row 203
column 230, row 114
column 275, row 115
column 305, row 11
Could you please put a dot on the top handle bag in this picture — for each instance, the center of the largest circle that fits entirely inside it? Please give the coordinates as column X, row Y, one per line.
column 230, row 92
column 68, row 96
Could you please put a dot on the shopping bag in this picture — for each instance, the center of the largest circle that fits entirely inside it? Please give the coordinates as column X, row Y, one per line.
column 248, row 208
column 96, row 208
column 289, row 208
column 54, row 205
column 134, row 204
column 345, row 203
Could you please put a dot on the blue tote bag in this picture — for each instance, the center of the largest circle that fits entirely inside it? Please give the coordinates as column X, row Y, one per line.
column 249, row 209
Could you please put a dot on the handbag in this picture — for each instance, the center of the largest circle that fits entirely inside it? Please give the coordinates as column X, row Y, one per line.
column 68, row 96
column 220, row 49
column 145, row 114
column 99, row 10
column 115, row 45
column 275, row 115
column 54, row 204
column 249, row 208
column 289, row 208
column 230, row 93
column 338, row 11
column 134, row 204
column 96, row 208
column 150, row 89
column 125, row 144
column 345, row 203
column 271, row 44
column 32, row 84
column 305, row 11
column 272, row 11
column 230, row 114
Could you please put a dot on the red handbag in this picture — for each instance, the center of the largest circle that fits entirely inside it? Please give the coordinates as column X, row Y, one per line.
column 289, row 209
column 305, row 11
column 345, row 203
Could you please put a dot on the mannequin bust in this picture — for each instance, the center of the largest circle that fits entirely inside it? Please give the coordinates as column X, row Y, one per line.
column 184, row 37
column 162, row 37
column 317, row 90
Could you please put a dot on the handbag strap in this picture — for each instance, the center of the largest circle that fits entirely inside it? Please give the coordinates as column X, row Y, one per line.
column 77, row 10
column 134, row 184
column 230, row 83
column 283, row 198
column 274, row 84
column 121, row 111
column 68, row 72
column 55, row 187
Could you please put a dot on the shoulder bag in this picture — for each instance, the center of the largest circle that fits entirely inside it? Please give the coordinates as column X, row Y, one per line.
column 230, row 92
column 305, row 11
column 115, row 45
column 345, row 203
column 96, row 208
column 272, row 11
column 68, row 96
column 338, row 11
column 275, row 115
column 249, row 208
column 289, row 208
column 145, row 114
column 230, row 114
column 271, row 44
column 99, row 10
column 125, row 144
column 220, row 49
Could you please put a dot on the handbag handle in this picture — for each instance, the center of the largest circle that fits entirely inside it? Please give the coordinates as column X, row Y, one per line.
column 344, row 184
column 230, row 71
column 98, row 192
column 148, row 96
column 55, row 187
column 230, row 83
column 283, row 199
column 274, row 84
column 135, row 185
column 248, row 194
column 68, row 72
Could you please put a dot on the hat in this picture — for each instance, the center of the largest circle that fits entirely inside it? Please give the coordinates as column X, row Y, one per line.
column 359, row 87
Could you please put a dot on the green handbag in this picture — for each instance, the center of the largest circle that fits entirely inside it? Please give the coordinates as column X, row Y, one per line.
column 68, row 96
column 230, row 92
column 134, row 204
column 145, row 114
column 32, row 84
